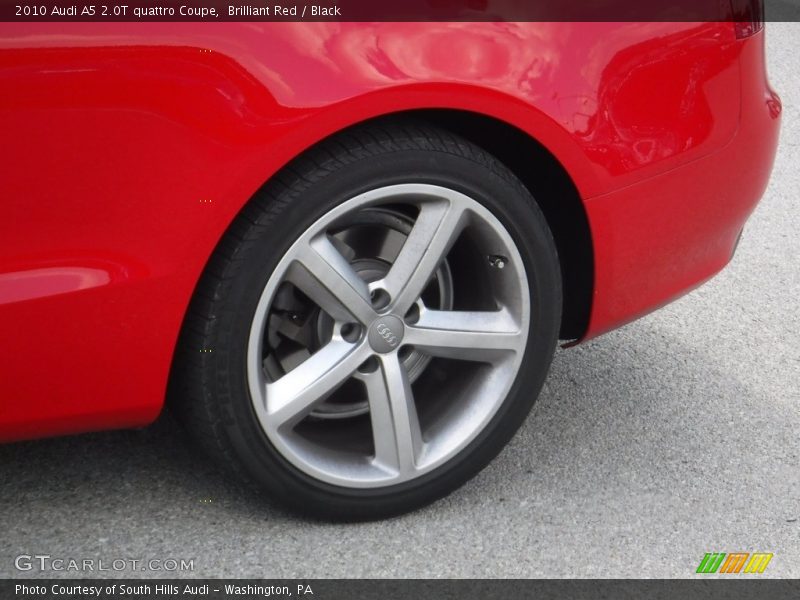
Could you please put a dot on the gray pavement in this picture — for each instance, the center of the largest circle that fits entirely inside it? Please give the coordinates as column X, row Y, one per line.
column 675, row 436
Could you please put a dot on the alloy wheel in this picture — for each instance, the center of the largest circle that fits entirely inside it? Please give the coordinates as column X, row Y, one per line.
column 388, row 336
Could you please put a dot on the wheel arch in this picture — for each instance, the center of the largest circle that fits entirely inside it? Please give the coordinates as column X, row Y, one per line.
column 542, row 173
column 548, row 181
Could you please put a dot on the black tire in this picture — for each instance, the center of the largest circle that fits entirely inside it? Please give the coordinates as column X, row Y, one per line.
column 209, row 390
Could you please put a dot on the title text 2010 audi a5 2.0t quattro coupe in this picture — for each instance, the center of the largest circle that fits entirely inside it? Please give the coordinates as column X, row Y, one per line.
column 344, row 253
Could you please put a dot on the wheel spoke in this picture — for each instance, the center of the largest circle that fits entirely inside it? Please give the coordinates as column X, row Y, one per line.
column 294, row 395
column 325, row 276
column 435, row 231
column 395, row 424
column 466, row 335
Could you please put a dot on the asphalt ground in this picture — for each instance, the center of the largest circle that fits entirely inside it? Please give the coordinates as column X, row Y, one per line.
column 650, row 446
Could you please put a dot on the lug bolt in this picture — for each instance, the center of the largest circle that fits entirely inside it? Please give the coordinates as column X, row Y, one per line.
column 412, row 316
column 351, row 332
column 369, row 366
column 380, row 299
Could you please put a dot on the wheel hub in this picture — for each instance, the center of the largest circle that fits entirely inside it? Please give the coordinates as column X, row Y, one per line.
column 372, row 269
column 386, row 334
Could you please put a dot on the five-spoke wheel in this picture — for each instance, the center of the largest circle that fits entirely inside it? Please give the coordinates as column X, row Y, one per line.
column 374, row 326
column 382, row 316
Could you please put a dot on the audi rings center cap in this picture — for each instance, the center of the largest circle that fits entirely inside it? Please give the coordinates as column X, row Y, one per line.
column 386, row 334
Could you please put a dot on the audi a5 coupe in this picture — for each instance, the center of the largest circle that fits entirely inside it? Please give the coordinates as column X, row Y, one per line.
column 344, row 253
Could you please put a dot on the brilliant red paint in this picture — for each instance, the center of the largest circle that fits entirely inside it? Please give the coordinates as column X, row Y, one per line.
column 128, row 148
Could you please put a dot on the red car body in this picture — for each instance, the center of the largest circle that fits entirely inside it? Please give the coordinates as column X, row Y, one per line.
column 130, row 147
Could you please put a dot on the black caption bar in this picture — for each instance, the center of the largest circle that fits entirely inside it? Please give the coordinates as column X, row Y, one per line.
column 387, row 589
column 399, row 10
